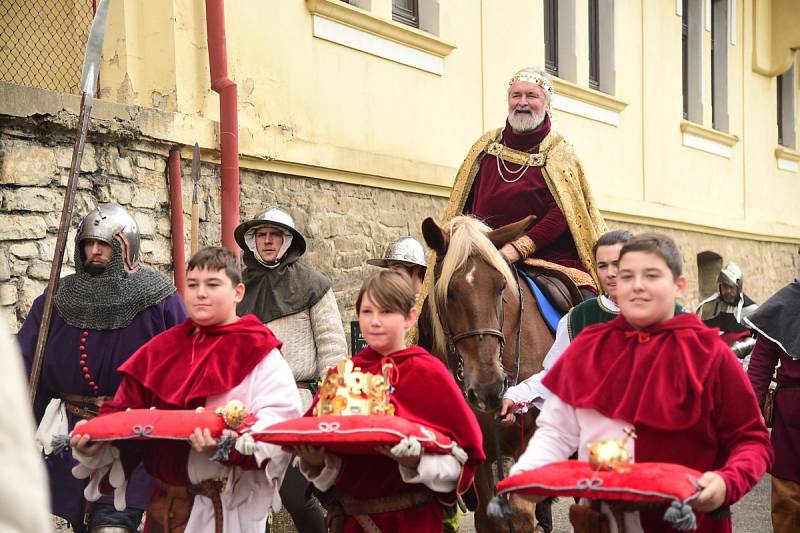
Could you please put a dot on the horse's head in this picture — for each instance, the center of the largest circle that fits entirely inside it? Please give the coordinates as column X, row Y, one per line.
column 474, row 303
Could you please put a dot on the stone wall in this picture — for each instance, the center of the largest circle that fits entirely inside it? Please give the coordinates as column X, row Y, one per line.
column 767, row 266
column 344, row 224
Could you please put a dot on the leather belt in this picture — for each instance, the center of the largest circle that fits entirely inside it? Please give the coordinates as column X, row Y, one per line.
column 85, row 407
column 341, row 505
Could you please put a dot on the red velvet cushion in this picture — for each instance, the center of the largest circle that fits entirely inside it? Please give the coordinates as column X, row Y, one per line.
column 645, row 482
column 151, row 424
column 353, row 434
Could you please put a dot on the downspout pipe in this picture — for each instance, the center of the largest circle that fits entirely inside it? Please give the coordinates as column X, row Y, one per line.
column 228, row 121
column 176, row 220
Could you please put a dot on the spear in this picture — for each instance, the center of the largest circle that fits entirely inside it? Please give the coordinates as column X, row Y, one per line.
column 91, row 69
column 195, row 234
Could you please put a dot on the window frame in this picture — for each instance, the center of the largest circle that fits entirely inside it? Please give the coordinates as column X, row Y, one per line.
column 692, row 59
column 787, row 107
column 404, row 15
column 685, row 57
column 719, row 65
column 551, row 36
column 594, row 44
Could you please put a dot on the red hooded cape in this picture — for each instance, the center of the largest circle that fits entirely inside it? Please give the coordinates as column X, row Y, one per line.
column 617, row 367
column 179, row 369
column 188, row 363
column 683, row 390
column 424, row 392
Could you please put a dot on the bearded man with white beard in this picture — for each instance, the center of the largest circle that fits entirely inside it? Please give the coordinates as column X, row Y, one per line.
column 524, row 169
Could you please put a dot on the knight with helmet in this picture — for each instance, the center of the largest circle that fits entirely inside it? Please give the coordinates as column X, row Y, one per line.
column 727, row 308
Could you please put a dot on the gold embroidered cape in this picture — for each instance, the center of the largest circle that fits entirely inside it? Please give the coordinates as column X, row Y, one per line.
column 565, row 179
column 564, row 176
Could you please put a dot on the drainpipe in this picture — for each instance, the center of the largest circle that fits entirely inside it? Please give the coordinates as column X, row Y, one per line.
column 176, row 218
column 228, row 121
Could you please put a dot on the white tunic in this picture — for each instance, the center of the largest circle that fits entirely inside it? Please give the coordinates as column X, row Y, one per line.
column 563, row 429
column 270, row 392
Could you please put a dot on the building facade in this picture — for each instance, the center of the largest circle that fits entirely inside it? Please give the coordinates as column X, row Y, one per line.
column 355, row 116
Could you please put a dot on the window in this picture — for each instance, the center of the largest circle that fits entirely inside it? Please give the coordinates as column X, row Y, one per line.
column 594, row 45
column 551, row 36
column 685, row 59
column 602, row 75
column 787, row 107
column 406, row 12
column 692, row 60
column 719, row 65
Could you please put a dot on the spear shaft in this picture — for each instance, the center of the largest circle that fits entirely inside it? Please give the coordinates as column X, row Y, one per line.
column 91, row 67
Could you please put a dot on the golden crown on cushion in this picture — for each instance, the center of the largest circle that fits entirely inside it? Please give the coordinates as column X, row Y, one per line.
column 346, row 390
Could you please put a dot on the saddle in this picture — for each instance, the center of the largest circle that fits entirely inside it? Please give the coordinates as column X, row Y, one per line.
column 562, row 292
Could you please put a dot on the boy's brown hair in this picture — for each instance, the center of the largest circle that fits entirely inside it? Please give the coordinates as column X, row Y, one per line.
column 390, row 290
column 656, row 244
column 215, row 259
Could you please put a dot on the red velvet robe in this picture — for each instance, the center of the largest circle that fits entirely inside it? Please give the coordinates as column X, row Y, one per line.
column 498, row 203
column 425, row 392
column 685, row 393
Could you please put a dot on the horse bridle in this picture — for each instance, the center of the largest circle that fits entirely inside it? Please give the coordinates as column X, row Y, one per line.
column 452, row 351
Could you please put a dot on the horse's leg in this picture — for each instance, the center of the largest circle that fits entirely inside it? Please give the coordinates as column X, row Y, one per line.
column 484, row 485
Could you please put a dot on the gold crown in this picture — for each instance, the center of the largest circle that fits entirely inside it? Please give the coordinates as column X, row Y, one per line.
column 533, row 77
column 346, row 390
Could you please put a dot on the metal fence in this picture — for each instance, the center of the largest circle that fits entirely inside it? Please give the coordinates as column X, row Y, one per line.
column 42, row 42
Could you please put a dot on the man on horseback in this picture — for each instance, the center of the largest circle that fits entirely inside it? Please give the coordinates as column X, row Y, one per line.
column 517, row 399
column 524, row 169
column 727, row 308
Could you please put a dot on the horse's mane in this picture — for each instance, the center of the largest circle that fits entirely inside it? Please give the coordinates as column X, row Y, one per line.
column 467, row 238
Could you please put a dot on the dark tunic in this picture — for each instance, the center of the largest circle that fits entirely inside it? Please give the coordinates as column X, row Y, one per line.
column 786, row 417
column 62, row 374
column 499, row 203
column 587, row 313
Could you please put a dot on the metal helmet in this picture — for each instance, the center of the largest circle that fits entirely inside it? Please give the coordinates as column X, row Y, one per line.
column 731, row 275
column 271, row 217
column 279, row 216
column 407, row 250
column 110, row 222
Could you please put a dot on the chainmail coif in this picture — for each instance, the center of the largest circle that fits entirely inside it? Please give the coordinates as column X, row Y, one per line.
column 112, row 299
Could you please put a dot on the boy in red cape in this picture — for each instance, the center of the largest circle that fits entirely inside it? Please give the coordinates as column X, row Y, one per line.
column 209, row 360
column 668, row 376
column 385, row 492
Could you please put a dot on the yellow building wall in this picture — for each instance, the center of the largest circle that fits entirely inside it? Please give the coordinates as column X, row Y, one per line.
column 311, row 107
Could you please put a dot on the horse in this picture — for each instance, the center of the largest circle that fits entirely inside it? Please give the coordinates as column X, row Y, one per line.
column 490, row 333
